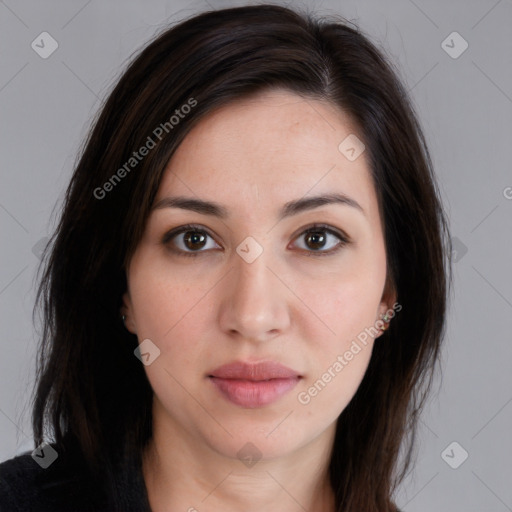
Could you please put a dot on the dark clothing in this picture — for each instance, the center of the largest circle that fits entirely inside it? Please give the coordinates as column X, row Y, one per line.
column 64, row 486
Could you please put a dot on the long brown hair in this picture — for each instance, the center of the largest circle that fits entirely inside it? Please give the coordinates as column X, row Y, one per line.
column 90, row 388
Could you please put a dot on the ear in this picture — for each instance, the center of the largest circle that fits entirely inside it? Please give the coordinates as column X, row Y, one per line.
column 127, row 311
column 388, row 303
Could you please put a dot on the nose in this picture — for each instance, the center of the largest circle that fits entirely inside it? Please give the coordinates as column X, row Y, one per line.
column 254, row 301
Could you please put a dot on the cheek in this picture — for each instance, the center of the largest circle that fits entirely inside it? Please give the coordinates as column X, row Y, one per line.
column 346, row 301
column 347, row 306
column 174, row 310
column 163, row 297
column 176, row 324
column 341, row 345
column 171, row 314
column 326, row 395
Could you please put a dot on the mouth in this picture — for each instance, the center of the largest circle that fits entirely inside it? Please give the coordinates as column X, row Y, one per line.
column 254, row 385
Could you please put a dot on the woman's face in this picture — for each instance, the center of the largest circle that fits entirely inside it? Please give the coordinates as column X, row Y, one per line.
column 251, row 285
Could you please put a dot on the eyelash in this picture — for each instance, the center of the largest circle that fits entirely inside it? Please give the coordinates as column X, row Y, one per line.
column 344, row 239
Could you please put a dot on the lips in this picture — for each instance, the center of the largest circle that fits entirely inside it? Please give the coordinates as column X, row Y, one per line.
column 254, row 385
column 256, row 372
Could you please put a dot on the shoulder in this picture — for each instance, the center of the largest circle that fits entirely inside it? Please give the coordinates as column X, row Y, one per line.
column 16, row 477
column 26, row 484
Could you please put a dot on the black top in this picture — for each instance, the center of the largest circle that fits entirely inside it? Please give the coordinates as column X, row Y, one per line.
column 64, row 485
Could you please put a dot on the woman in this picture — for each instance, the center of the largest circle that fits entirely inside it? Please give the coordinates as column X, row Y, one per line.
column 245, row 298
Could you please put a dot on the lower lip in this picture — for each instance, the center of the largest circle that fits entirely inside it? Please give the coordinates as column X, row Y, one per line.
column 252, row 394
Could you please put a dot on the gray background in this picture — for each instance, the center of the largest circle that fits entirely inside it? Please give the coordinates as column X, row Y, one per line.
column 465, row 106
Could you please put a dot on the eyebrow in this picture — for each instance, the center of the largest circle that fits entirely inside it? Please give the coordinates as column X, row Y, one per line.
column 290, row 208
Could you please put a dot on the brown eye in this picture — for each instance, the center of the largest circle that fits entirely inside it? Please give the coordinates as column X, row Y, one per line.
column 320, row 240
column 315, row 239
column 194, row 240
column 189, row 241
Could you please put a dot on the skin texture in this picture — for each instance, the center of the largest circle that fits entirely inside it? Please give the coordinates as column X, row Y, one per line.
column 253, row 156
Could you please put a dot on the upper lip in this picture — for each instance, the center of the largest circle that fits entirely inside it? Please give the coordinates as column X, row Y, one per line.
column 264, row 370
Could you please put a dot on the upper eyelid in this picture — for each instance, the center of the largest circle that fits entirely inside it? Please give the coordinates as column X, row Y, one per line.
column 169, row 235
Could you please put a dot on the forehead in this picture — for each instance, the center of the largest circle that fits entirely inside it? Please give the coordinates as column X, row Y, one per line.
column 268, row 149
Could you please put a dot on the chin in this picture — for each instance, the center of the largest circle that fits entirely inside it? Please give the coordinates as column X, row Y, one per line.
column 261, row 442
